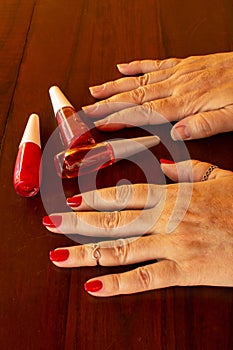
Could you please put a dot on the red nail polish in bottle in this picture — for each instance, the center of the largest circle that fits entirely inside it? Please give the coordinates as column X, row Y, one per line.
column 74, row 132
column 86, row 159
column 26, row 178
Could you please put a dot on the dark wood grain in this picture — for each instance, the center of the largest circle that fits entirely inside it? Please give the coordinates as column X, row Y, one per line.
column 15, row 19
column 76, row 44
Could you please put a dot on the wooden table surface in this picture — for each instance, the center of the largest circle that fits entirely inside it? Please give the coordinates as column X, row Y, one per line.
column 76, row 44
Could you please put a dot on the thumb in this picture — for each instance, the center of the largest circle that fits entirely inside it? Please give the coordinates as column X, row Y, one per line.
column 192, row 171
column 204, row 124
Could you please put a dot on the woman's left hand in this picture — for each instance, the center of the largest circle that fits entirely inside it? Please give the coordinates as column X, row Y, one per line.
column 196, row 91
column 188, row 229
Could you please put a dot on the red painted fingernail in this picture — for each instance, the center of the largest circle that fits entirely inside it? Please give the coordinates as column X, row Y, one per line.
column 59, row 255
column 166, row 161
column 75, row 201
column 52, row 221
column 93, row 286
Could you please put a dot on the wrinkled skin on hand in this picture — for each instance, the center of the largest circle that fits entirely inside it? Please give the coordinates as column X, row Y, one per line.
column 197, row 92
column 188, row 227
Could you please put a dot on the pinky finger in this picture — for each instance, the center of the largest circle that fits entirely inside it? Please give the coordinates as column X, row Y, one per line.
column 147, row 66
column 155, row 276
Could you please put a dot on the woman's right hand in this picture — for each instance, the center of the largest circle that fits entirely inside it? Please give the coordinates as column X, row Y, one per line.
column 188, row 228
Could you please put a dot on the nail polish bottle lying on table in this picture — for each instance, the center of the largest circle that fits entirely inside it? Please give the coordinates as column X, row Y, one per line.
column 26, row 178
column 74, row 132
column 86, row 159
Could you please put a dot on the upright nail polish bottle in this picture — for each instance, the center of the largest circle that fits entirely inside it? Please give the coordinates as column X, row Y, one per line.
column 74, row 132
column 26, row 178
column 86, row 159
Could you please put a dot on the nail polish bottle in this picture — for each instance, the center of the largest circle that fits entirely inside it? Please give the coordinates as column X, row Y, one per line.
column 74, row 132
column 26, row 178
column 86, row 159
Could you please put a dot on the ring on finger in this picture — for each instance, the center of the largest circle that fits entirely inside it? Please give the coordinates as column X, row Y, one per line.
column 208, row 172
column 95, row 252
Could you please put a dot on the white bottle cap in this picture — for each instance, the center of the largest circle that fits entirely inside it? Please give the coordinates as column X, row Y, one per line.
column 32, row 131
column 58, row 99
column 127, row 147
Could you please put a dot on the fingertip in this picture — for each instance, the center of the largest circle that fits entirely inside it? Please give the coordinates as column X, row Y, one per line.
column 52, row 221
column 105, row 125
column 97, row 90
column 104, row 286
column 53, row 230
column 74, row 202
column 166, row 161
column 100, row 124
column 59, row 255
column 122, row 67
column 91, row 109
column 93, row 286
column 180, row 132
column 169, row 168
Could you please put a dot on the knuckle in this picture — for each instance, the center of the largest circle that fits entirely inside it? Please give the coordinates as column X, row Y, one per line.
column 143, row 80
column 148, row 107
column 153, row 111
column 157, row 64
column 123, row 195
column 116, row 284
column 147, row 111
column 75, row 221
column 110, row 220
column 114, row 83
column 175, row 60
column 168, row 63
column 121, row 251
column 176, row 274
column 202, row 125
column 144, row 277
column 138, row 95
column 93, row 199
